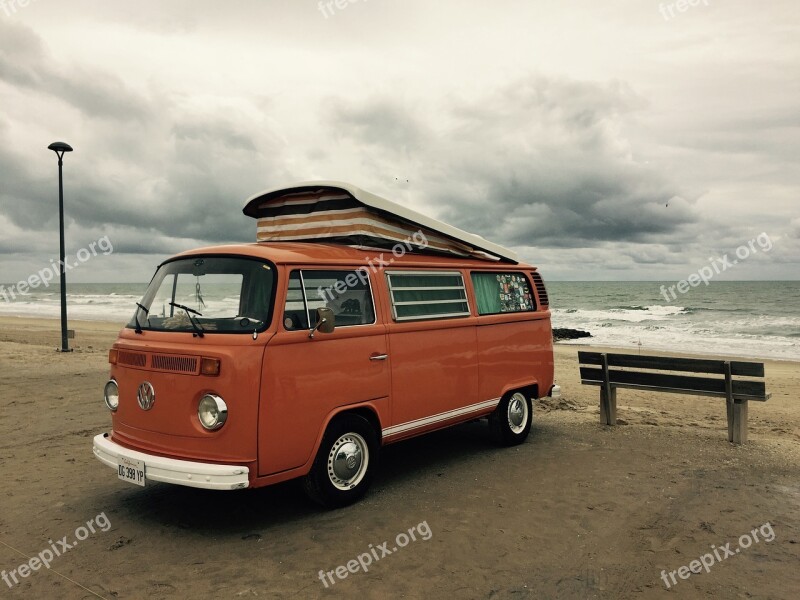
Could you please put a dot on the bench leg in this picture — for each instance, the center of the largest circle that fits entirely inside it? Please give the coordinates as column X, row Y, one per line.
column 737, row 422
column 608, row 407
column 729, row 410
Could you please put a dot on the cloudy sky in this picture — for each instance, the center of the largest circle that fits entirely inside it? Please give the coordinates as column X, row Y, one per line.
column 602, row 140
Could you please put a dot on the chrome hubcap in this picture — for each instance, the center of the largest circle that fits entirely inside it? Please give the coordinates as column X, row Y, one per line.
column 517, row 413
column 348, row 461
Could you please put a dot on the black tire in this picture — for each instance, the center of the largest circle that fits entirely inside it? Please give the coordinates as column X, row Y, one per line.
column 345, row 463
column 511, row 421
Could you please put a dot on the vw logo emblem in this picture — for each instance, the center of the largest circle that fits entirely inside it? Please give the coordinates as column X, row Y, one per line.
column 146, row 395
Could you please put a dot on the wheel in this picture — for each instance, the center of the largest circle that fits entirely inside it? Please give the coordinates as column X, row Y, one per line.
column 511, row 421
column 346, row 461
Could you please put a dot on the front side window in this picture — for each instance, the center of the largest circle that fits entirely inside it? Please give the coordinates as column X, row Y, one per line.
column 347, row 293
column 427, row 295
column 498, row 293
column 208, row 295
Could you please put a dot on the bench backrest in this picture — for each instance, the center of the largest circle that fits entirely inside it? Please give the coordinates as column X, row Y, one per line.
column 648, row 376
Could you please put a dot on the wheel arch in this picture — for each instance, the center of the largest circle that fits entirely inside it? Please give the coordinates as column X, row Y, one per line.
column 366, row 410
column 530, row 388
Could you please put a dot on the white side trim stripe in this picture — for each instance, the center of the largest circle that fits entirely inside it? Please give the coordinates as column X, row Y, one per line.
column 450, row 414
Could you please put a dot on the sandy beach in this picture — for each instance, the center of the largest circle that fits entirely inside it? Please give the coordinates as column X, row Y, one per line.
column 579, row 511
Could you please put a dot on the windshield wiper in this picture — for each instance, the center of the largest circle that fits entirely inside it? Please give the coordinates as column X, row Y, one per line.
column 136, row 318
column 198, row 330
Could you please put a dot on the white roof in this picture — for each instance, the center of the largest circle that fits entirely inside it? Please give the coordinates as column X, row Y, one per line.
column 382, row 204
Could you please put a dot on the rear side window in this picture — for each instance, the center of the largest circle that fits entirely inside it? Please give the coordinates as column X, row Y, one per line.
column 347, row 293
column 427, row 295
column 498, row 293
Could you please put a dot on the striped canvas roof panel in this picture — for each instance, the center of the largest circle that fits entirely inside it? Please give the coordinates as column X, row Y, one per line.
column 334, row 215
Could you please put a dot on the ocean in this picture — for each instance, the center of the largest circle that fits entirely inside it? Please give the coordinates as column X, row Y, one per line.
column 759, row 319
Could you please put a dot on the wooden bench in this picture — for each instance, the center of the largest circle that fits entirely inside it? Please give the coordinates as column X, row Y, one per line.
column 648, row 373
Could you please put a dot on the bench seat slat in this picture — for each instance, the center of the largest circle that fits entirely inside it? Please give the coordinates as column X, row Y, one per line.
column 634, row 386
column 669, row 363
column 750, row 390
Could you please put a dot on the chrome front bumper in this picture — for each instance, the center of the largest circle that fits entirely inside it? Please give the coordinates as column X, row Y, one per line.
column 170, row 470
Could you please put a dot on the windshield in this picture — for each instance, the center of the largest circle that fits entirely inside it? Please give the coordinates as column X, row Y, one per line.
column 208, row 295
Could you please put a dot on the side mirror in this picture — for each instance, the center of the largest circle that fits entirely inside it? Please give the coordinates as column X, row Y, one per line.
column 326, row 322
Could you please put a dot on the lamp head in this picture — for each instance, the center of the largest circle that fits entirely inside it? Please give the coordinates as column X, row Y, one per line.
column 60, row 148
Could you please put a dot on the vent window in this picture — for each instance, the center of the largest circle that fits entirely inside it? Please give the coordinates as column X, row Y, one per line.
column 420, row 295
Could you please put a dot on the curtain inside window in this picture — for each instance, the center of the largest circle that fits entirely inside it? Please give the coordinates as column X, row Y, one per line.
column 502, row 293
column 487, row 293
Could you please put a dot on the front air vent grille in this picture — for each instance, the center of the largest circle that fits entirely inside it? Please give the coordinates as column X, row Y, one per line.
column 541, row 290
column 174, row 364
column 170, row 363
column 133, row 359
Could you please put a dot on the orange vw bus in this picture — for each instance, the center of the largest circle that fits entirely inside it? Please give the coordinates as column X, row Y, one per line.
column 353, row 322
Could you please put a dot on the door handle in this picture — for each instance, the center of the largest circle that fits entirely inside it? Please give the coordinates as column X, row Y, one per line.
column 379, row 357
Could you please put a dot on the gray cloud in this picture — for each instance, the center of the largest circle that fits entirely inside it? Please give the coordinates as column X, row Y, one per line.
column 26, row 63
column 381, row 122
column 540, row 162
column 566, row 143
column 171, row 178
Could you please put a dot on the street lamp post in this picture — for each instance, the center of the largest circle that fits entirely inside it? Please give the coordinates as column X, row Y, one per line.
column 60, row 148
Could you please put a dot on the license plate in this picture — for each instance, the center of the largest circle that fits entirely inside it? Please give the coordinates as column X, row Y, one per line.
column 131, row 471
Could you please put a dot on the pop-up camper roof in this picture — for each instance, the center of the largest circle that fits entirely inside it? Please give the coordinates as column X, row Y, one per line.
column 336, row 212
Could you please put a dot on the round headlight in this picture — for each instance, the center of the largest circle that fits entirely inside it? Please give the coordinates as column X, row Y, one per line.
column 111, row 395
column 212, row 412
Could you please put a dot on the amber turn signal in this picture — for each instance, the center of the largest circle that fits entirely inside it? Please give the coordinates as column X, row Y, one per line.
column 113, row 355
column 209, row 366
